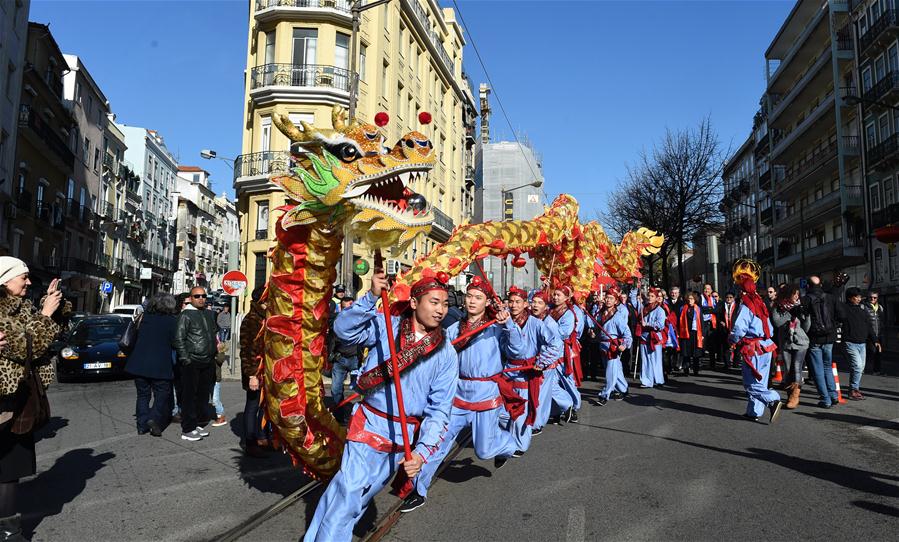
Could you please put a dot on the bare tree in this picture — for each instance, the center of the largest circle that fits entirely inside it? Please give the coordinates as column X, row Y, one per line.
column 674, row 190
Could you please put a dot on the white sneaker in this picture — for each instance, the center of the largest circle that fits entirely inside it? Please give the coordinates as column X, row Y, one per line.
column 202, row 432
column 192, row 436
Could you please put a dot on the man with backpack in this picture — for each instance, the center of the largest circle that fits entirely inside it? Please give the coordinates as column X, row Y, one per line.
column 821, row 307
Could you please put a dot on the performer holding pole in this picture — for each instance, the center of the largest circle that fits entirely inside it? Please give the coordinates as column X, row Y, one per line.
column 652, row 323
column 483, row 393
column 552, row 396
column 570, row 377
column 429, row 370
column 616, row 338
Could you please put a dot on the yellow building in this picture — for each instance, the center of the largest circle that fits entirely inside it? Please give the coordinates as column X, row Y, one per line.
column 298, row 60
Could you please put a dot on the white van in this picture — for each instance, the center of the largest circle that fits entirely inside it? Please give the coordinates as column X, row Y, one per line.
column 129, row 310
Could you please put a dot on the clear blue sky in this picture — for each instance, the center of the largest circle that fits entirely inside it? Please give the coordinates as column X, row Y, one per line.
column 591, row 83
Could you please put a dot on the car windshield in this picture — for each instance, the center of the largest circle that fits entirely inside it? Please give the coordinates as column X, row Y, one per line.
column 124, row 311
column 98, row 332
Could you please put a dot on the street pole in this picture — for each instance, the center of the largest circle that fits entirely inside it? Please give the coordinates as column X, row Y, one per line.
column 233, row 263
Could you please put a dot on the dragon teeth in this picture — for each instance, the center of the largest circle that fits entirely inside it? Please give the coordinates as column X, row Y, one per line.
column 404, row 177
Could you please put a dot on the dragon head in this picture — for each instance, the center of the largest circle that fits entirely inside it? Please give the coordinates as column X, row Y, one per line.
column 349, row 172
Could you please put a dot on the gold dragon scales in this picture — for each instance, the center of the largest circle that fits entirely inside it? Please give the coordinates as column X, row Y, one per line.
column 347, row 174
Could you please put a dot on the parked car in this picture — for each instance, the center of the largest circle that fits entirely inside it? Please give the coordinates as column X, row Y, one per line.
column 130, row 310
column 92, row 348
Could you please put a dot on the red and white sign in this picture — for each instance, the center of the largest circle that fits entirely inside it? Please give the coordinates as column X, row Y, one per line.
column 234, row 282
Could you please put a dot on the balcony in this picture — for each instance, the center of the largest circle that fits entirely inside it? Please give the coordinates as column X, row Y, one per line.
column 882, row 31
column 106, row 210
column 272, row 83
column 420, row 17
column 336, row 11
column 442, row 227
column 261, row 164
column 815, row 117
column 45, row 132
column 83, row 267
column 767, row 216
column 813, row 213
column 886, row 216
column 851, row 146
column 23, row 199
column 884, row 154
column 797, row 171
column 885, row 89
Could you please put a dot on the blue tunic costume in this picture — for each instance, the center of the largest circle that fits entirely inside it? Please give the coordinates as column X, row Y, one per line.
column 477, row 402
column 748, row 332
column 553, row 398
column 651, row 342
column 538, row 346
column 569, row 322
column 615, row 329
column 374, row 443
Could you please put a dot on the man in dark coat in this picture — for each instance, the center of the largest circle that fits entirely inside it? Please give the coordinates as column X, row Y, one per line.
column 195, row 344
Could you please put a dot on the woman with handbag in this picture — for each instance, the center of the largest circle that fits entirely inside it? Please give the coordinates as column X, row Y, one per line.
column 151, row 361
column 25, row 373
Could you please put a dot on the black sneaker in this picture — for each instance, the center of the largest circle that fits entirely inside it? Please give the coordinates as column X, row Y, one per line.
column 822, row 404
column 616, row 396
column 600, row 401
column 499, row 462
column 535, row 432
column 555, row 420
column 142, row 431
column 569, row 415
column 518, row 453
column 751, row 418
column 413, row 501
column 573, row 418
column 774, row 410
column 155, row 430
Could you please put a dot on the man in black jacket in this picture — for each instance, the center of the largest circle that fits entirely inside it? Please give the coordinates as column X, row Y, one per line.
column 857, row 332
column 195, row 344
column 878, row 323
column 822, row 333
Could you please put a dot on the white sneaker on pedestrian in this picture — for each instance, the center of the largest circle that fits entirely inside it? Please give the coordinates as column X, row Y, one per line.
column 220, row 421
column 202, row 432
column 192, row 436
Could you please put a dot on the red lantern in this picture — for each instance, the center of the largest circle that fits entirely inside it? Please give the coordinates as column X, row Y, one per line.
column 887, row 234
column 424, row 117
column 381, row 119
column 519, row 262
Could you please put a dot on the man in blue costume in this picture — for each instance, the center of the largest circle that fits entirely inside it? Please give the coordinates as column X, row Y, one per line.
column 751, row 334
column 613, row 338
column 484, row 393
column 429, row 369
column 652, row 323
column 571, row 324
column 539, row 349
column 552, row 396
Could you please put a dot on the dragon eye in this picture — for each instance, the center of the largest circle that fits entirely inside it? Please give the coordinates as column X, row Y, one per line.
column 347, row 152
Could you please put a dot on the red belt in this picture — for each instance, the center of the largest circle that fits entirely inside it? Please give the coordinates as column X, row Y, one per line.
column 534, row 379
column 508, row 397
column 573, row 360
column 358, row 433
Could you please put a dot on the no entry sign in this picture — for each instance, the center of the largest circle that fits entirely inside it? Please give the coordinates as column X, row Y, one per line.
column 234, row 282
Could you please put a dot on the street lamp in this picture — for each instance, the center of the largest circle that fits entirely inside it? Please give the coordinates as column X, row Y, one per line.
column 503, row 193
column 855, row 100
column 209, row 154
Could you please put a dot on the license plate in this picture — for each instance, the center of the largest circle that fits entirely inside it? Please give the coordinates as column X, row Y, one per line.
column 106, row 365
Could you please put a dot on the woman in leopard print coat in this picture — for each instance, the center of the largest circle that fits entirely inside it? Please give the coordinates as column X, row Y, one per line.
column 18, row 320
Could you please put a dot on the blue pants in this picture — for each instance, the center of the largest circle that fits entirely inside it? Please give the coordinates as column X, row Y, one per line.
column 567, row 385
column 518, row 429
column 490, row 440
column 339, row 370
column 856, row 354
column 615, row 380
column 552, row 397
column 651, row 372
column 161, row 391
column 363, row 472
column 759, row 394
column 821, row 358
column 217, row 399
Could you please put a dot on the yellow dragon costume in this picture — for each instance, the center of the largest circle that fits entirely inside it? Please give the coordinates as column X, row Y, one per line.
column 347, row 174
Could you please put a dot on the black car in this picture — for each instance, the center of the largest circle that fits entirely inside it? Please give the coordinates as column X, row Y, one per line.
column 92, row 348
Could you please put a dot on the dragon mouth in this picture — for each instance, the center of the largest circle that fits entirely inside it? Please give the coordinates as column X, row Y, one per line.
column 390, row 195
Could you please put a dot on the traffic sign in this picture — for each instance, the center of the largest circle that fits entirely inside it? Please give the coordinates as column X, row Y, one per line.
column 107, row 287
column 234, row 282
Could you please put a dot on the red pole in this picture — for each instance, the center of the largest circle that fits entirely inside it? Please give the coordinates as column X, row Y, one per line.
column 474, row 331
column 391, row 342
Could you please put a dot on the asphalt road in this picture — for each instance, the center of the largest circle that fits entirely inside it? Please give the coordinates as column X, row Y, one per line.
column 668, row 464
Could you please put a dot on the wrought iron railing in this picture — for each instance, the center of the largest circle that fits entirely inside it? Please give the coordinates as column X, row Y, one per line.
column 300, row 75
column 27, row 117
column 886, row 20
column 885, row 149
column 443, row 221
column 422, row 17
column 261, row 163
column 339, row 5
column 887, row 84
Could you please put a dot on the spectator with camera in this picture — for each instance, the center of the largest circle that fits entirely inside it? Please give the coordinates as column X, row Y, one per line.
column 822, row 333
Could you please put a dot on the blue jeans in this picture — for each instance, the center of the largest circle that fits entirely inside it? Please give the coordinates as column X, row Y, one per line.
column 225, row 334
column 217, row 399
column 856, row 354
column 161, row 391
column 821, row 358
column 341, row 368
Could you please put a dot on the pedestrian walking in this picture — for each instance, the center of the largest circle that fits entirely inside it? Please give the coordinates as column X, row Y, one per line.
column 151, row 362
column 25, row 374
column 195, row 343
column 255, row 439
column 822, row 332
column 614, row 338
column 223, row 320
column 857, row 331
column 726, row 313
column 792, row 325
column 878, row 323
column 689, row 334
column 709, row 306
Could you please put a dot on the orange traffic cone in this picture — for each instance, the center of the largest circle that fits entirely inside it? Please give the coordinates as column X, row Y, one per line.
column 836, row 380
column 778, row 371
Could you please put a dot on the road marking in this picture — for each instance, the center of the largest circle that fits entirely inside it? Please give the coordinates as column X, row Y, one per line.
column 878, row 432
column 576, row 522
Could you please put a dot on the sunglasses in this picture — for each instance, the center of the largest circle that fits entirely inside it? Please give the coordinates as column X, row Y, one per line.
column 199, row 296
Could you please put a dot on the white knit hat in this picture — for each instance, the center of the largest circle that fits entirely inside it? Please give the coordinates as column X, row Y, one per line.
column 11, row 268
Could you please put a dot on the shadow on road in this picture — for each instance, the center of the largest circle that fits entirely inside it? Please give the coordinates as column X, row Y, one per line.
column 46, row 494
column 463, row 470
column 849, row 418
column 54, row 424
column 642, row 399
column 884, row 509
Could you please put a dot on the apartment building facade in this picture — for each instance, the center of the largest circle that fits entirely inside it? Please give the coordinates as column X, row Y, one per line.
column 202, row 225
column 14, row 29
column 298, row 63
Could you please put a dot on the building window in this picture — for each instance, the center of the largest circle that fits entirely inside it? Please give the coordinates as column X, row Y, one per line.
column 871, row 134
column 384, row 79
column 866, row 79
column 874, row 195
column 889, row 196
column 362, row 55
column 304, row 43
column 880, row 68
column 270, row 47
column 261, row 218
column 342, row 51
column 884, row 127
column 97, row 159
column 259, row 274
column 10, row 77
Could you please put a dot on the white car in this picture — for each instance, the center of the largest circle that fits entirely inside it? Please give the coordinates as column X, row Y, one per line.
column 129, row 310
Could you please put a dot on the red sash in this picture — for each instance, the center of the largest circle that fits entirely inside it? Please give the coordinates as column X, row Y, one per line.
column 409, row 352
column 358, row 433
column 534, row 379
column 683, row 327
column 508, row 397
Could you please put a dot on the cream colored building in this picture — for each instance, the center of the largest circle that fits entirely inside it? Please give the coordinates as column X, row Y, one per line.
column 298, row 59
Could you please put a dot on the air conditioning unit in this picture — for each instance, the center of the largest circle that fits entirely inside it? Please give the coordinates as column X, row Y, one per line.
column 393, row 267
column 10, row 211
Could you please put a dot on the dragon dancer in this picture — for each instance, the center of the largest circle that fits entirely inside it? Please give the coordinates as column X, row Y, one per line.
column 653, row 322
column 483, row 393
column 570, row 326
column 751, row 333
column 552, row 397
column 429, row 369
column 614, row 338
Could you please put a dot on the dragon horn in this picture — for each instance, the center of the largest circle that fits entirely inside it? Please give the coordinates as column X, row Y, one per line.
column 288, row 128
column 338, row 118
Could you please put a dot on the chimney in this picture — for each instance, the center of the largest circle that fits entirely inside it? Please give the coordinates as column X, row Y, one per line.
column 485, row 114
